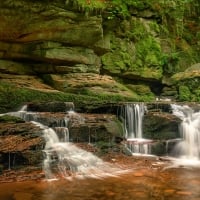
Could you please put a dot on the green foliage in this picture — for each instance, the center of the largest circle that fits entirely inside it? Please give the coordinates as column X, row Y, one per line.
column 198, row 35
column 196, row 95
column 121, row 58
column 90, row 3
column 184, row 93
column 170, row 63
column 121, row 8
column 12, row 98
column 87, row 6
column 148, row 52
column 189, row 90
column 8, row 118
column 138, row 31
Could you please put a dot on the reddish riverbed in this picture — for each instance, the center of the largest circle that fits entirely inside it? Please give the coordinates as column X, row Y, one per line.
column 147, row 179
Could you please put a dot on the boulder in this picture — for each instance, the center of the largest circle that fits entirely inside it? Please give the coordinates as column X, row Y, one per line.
column 50, row 107
column 88, row 84
column 188, row 83
column 38, row 22
column 190, row 73
column 21, row 144
column 49, row 52
column 160, row 126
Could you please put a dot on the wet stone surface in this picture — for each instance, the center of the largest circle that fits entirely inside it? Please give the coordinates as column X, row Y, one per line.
column 146, row 179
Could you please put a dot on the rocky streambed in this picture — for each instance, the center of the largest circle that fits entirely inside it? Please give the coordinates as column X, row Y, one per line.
column 23, row 142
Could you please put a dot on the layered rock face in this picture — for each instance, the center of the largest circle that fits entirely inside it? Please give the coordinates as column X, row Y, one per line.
column 59, row 46
column 43, row 42
column 22, row 145
column 43, row 34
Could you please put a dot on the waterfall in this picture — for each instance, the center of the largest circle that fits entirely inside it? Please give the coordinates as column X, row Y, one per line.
column 132, row 115
column 63, row 158
column 189, row 147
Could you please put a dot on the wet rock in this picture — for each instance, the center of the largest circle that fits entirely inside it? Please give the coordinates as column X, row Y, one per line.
column 160, row 126
column 95, row 128
column 50, row 107
column 21, row 145
column 87, row 83
column 162, row 107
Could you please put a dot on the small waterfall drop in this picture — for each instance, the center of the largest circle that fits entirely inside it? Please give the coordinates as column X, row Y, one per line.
column 63, row 158
column 132, row 115
column 189, row 147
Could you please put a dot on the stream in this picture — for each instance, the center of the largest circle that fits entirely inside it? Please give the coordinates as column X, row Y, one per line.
column 142, row 183
column 146, row 178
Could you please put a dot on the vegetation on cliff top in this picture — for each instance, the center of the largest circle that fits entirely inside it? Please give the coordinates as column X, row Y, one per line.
column 12, row 97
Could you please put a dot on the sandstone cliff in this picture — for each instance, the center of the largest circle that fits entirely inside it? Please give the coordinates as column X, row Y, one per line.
column 64, row 48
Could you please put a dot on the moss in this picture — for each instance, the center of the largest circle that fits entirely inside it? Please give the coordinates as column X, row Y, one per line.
column 176, row 24
column 140, row 89
column 196, row 95
column 184, row 93
column 91, row 3
column 85, row 98
column 139, row 52
column 170, row 63
column 87, row 6
column 109, row 97
column 149, row 51
column 189, row 89
column 137, row 30
column 8, row 118
column 121, row 58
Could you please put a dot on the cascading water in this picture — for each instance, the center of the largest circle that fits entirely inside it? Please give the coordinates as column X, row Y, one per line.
column 63, row 158
column 132, row 115
column 189, row 146
column 133, row 120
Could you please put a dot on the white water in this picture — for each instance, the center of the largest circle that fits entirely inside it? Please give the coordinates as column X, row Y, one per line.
column 66, row 159
column 189, row 147
column 133, row 117
column 63, row 158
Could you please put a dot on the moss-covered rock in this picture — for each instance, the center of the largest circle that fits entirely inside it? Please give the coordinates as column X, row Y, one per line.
column 8, row 118
column 145, row 43
column 160, row 126
column 139, row 55
column 188, row 83
column 90, row 84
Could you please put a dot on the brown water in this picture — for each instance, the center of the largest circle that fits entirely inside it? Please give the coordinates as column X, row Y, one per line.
column 142, row 183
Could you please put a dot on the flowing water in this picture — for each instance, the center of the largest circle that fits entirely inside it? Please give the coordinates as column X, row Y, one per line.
column 63, row 158
column 188, row 149
column 132, row 115
column 95, row 179
column 143, row 184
